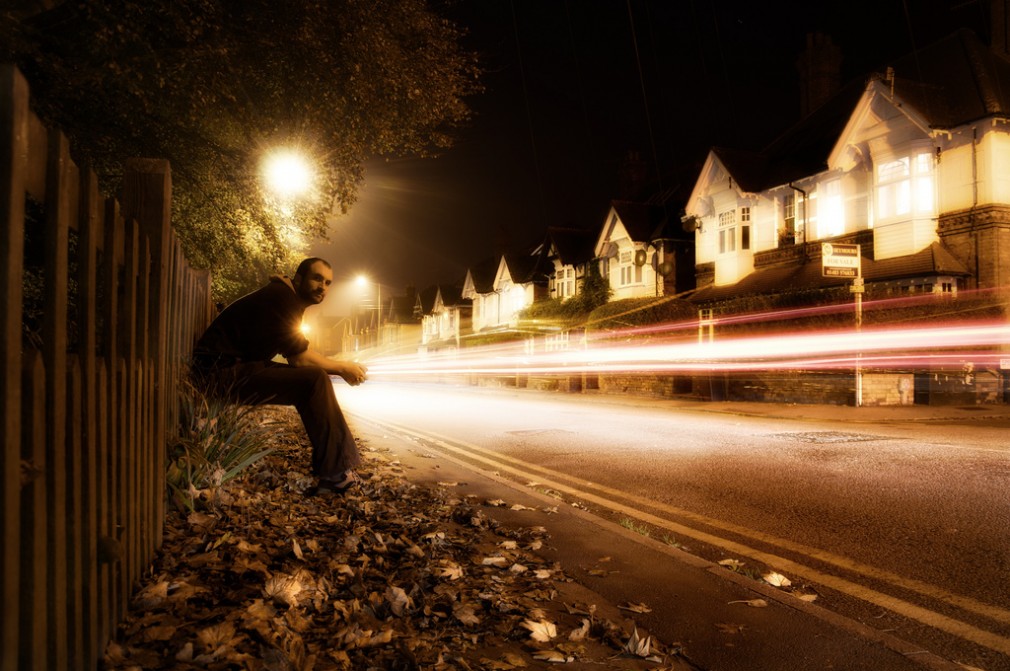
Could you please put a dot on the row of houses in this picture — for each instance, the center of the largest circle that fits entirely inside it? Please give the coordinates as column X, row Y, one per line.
column 912, row 164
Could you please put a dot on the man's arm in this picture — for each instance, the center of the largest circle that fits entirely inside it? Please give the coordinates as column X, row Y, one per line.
column 353, row 373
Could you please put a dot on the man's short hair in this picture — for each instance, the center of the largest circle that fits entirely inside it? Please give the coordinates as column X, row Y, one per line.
column 303, row 267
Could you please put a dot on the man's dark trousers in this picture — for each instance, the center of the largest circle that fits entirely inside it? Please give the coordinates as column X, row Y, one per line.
column 310, row 390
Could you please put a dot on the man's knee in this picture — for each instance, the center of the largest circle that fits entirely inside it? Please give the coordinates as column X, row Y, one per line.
column 314, row 380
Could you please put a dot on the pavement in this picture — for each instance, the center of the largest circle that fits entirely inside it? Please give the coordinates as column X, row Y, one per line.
column 716, row 618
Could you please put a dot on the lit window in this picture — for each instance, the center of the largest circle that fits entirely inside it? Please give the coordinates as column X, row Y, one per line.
column 789, row 213
column 830, row 209
column 727, row 231
column 745, row 228
column 905, row 186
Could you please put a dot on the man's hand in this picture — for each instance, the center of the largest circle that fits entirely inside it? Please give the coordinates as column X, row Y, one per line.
column 353, row 373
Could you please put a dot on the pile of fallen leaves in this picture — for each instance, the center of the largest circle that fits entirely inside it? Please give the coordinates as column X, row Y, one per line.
column 388, row 576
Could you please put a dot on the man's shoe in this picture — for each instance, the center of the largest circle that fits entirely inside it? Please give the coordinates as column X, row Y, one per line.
column 326, row 486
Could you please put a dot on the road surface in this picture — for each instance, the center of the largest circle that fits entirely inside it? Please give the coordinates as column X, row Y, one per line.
column 902, row 524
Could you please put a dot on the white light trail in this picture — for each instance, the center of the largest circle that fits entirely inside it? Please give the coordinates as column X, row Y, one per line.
column 983, row 344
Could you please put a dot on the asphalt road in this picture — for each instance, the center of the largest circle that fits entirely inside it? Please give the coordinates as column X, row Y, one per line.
column 901, row 523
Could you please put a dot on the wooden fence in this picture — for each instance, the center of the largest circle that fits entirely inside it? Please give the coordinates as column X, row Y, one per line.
column 89, row 399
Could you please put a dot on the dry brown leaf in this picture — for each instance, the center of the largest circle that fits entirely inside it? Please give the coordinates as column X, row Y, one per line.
column 245, row 546
column 201, row 522
column 541, row 630
column 163, row 632
column 728, row 628
column 638, row 646
column 464, row 613
column 776, row 579
column 185, row 653
column 514, row 659
column 399, row 601
column 636, row 607
column 501, row 562
column 283, row 589
column 217, row 635
column 152, row 595
column 579, row 633
column 552, row 656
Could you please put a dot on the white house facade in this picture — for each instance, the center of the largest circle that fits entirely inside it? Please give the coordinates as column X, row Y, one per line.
column 906, row 160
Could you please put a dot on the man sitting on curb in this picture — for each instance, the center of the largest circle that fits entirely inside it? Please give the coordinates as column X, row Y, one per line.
column 235, row 355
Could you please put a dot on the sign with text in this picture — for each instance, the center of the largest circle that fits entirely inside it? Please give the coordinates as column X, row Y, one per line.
column 840, row 260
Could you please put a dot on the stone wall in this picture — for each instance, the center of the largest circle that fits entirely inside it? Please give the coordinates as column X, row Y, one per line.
column 800, row 387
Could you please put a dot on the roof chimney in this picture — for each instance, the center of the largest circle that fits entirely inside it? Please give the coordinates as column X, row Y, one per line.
column 820, row 67
column 631, row 176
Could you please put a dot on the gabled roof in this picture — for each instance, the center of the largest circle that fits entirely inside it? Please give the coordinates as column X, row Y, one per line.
column 425, row 301
column 930, row 261
column 574, row 246
column 482, row 275
column 961, row 81
column 953, row 81
column 451, row 295
column 522, row 268
column 401, row 309
column 639, row 219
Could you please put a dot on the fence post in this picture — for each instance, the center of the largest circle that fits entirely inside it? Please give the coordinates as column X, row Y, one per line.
column 147, row 198
column 87, row 315
column 54, row 352
column 13, row 156
column 34, row 515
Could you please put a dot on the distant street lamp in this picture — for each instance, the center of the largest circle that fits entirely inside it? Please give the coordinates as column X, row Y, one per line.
column 363, row 281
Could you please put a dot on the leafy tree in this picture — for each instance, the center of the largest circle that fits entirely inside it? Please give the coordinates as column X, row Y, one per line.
column 213, row 85
column 594, row 292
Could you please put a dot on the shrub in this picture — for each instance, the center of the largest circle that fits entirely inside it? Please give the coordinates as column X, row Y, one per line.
column 217, row 440
column 641, row 311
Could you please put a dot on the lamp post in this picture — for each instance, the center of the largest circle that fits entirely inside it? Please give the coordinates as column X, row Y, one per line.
column 363, row 281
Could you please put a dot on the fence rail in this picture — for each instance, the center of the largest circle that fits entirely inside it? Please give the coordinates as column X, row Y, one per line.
column 88, row 400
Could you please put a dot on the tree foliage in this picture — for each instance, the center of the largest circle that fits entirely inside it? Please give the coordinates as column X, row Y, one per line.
column 594, row 291
column 213, row 85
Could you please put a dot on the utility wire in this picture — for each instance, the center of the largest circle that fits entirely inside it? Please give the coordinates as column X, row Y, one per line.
column 529, row 117
column 645, row 97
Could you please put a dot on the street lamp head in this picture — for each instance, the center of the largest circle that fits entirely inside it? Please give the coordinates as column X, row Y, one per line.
column 287, row 173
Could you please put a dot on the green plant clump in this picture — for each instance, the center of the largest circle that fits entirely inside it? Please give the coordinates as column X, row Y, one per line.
column 217, row 440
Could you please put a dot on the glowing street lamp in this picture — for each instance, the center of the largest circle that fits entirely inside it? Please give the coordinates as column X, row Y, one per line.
column 288, row 174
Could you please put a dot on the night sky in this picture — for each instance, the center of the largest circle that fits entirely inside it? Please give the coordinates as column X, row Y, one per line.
column 573, row 86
